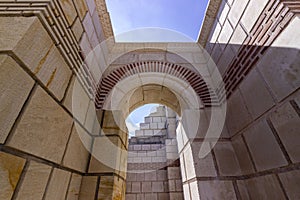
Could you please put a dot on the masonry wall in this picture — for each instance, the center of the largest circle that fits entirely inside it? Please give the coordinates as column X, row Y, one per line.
column 153, row 170
column 256, row 48
column 44, row 152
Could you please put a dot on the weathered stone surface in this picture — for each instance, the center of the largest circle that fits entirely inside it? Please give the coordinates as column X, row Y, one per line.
column 287, row 124
column 291, row 182
column 254, row 9
column 77, row 29
column 33, row 45
column 34, row 182
column 226, row 159
column 239, row 115
column 252, row 89
column 236, row 11
column 69, row 10
column 74, row 188
column 10, row 171
column 88, row 187
column 58, row 185
column 280, row 65
column 243, row 156
column 77, row 155
column 15, row 86
column 15, row 28
column 81, row 8
column 263, row 147
column 265, row 187
column 37, row 132
column 216, row 190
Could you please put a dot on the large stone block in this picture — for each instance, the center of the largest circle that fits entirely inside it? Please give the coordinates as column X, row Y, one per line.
column 252, row 89
column 68, row 10
column 236, row 11
column 242, row 155
column 37, row 133
column 254, row 9
column 216, row 190
column 81, row 8
column 287, row 124
column 10, row 171
column 35, row 181
column 265, row 187
column 263, row 147
column 35, row 48
column 15, row 86
column 15, row 28
column 74, row 187
column 88, row 187
column 58, row 185
column 291, row 182
column 226, row 159
column 77, row 154
column 237, row 114
column 281, row 63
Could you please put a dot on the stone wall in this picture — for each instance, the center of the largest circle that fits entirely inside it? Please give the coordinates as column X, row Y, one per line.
column 44, row 147
column 259, row 61
column 153, row 169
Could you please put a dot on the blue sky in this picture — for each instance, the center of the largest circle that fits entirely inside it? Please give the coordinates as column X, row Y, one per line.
column 184, row 16
column 137, row 116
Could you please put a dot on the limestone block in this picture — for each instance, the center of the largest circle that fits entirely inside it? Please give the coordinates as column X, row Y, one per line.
column 225, row 59
column 88, row 26
column 152, row 56
column 151, row 176
column 85, row 45
column 58, row 185
column 74, row 188
column 194, row 187
column 189, row 163
column 158, row 186
column 37, row 51
column 163, row 196
column 236, row 11
column 172, row 185
column 35, row 181
column 261, row 188
column 37, row 133
column 290, row 182
column 238, row 115
column 88, row 187
column 174, row 173
column 225, row 34
column 106, row 155
column 15, row 86
column 77, row 155
column 54, row 72
column 216, row 190
column 203, row 166
column 146, row 187
column 91, row 6
column 222, row 15
column 153, row 125
column 252, row 13
column 10, row 171
column 281, row 63
column 151, row 196
column 226, row 159
column 15, row 28
column 69, row 10
column 237, row 38
column 217, row 28
column 81, row 7
column 144, row 126
column 186, row 191
column 77, row 29
column 136, row 187
column 287, row 124
column 131, row 196
column 253, row 88
column 176, row 196
column 263, row 147
column 156, row 119
column 243, row 156
column 91, row 117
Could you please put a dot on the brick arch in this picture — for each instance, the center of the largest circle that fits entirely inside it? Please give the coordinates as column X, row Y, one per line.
column 195, row 80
